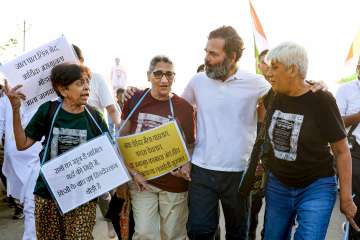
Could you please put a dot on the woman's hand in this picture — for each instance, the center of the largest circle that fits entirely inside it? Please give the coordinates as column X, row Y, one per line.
column 14, row 95
column 349, row 209
column 183, row 171
column 141, row 182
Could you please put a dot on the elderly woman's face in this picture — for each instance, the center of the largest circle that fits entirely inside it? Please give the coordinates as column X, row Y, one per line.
column 279, row 77
column 77, row 92
column 162, row 78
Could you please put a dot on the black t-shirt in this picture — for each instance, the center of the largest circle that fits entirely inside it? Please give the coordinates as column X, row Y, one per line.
column 69, row 131
column 300, row 130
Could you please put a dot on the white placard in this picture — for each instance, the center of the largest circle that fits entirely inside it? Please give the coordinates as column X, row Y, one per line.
column 84, row 173
column 33, row 68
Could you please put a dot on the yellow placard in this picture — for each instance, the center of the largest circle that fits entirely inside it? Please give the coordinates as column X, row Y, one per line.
column 154, row 152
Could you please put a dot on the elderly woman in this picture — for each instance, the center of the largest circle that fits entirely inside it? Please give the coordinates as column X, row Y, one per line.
column 300, row 125
column 160, row 205
column 72, row 125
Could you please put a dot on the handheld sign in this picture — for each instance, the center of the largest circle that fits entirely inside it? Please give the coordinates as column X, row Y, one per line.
column 33, row 68
column 84, row 173
column 156, row 151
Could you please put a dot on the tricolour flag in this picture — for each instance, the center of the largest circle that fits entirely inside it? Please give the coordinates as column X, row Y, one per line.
column 351, row 60
column 260, row 41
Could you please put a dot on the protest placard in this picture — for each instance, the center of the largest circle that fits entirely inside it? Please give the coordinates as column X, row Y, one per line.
column 33, row 68
column 154, row 152
column 84, row 173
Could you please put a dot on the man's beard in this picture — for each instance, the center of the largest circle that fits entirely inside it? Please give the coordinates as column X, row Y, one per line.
column 218, row 71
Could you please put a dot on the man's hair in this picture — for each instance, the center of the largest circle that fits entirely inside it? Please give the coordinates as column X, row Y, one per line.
column 78, row 53
column 290, row 53
column 120, row 91
column 200, row 68
column 155, row 60
column 233, row 42
column 64, row 74
column 263, row 53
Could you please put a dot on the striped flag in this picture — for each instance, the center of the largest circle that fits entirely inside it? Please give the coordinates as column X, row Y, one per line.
column 260, row 41
column 352, row 59
column 354, row 50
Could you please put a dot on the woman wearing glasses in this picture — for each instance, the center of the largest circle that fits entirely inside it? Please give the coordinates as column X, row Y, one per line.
column 160, row 205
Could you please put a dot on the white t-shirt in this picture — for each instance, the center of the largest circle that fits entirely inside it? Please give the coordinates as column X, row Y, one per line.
column 348, row 101
column 118, row 77
column 100, row 94
column 18, row 165
column 226, row 119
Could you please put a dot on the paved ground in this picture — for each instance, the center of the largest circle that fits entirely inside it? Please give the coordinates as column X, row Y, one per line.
column 12, row 229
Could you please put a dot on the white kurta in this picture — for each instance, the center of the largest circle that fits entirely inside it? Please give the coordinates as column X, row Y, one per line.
column 18, row 165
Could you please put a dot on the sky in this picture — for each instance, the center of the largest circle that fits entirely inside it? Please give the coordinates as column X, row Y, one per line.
column 137, row 30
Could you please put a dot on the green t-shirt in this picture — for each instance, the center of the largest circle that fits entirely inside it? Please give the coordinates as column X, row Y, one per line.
column 69, row 131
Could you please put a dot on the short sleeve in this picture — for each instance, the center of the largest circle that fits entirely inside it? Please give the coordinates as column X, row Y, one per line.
column 189, row 92
column 331, row 125
column 37, row 126
column 105, row 95
column 341, row 100
column 263, row 86
column 189, row 123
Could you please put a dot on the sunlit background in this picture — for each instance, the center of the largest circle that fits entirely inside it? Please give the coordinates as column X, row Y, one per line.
column 136, row 30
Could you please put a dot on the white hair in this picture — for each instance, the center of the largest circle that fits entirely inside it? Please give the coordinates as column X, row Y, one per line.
column 290, row 53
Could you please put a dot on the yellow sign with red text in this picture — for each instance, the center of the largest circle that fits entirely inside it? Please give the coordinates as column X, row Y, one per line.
column 156, row 151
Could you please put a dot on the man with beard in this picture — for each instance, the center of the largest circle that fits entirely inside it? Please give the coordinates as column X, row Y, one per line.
column 226, row 99
column 348, row 101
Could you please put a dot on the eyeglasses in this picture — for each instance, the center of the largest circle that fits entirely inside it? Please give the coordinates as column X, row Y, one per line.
column 168, row 74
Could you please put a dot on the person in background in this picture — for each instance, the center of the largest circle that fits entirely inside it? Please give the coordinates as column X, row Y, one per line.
column 118, row 76
column 20, row 168
column 120, row 97
column 258, row 194
column 348, row 101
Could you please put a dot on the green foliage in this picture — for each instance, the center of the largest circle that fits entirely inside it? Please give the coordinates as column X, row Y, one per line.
column 348, row 78
column 12, row 42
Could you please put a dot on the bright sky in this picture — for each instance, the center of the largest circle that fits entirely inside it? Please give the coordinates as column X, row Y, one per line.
column 136, row 30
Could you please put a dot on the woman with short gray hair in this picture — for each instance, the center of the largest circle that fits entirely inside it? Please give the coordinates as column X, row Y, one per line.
column 300, row 126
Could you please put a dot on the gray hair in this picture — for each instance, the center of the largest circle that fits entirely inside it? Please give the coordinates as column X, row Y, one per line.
column 290, row 53
column 156, row 60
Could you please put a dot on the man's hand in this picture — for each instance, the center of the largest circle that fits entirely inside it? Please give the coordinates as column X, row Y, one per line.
column 129, row 92
column 317, row 85
column 348, row 208
column 14, row 95
column 183, row 171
